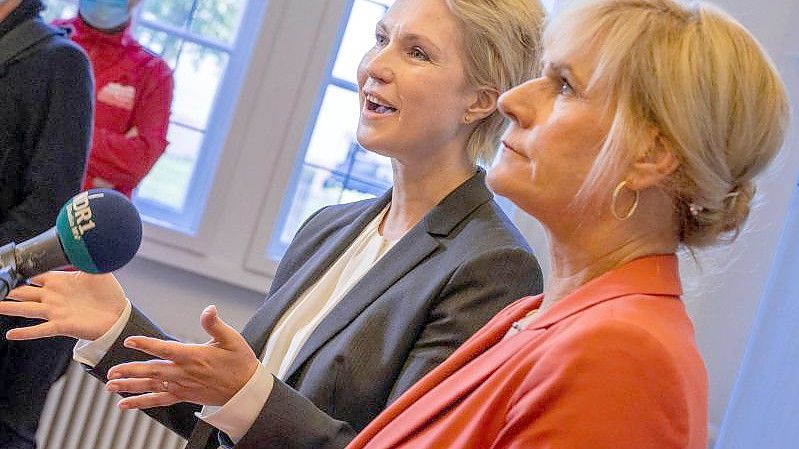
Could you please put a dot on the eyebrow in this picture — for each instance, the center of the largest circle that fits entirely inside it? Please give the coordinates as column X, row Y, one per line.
column 412, row 37
column 566, row 71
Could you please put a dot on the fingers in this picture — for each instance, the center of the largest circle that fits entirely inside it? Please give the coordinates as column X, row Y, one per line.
column 24, row 309
column 215, row 327
column 163, row 349
column 44, row 278
column 26, row 293
column 137, row 386
column 43, row 330
column 148, row 400
column 152, row 369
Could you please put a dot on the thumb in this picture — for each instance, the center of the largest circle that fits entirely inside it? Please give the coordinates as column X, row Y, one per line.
column 215, row 327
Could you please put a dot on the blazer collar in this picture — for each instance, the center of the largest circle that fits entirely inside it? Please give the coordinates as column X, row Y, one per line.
column 651, row 275
column 456, row 206
column 258, row 329
column 406, row 254
column 403, row 257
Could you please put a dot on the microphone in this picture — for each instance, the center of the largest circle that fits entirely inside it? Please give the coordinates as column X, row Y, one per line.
column 97, row 231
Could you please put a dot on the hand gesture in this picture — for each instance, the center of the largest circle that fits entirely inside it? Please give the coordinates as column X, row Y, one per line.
column 206, row 374
column 73, row 304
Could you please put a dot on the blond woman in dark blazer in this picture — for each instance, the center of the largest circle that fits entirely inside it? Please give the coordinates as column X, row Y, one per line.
column 371, row 295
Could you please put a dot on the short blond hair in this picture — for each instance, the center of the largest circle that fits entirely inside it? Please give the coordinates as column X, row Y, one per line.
column 698, row 78
column 502, row 48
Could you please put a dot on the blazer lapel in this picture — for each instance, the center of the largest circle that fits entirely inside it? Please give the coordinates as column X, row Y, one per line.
column 430, row 396
column 417, row 244
column 258, row 329
column 403, row 257
column 456, row 377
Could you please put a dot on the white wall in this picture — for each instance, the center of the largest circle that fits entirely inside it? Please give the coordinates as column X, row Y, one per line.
column 722, row 298
column 174, row 298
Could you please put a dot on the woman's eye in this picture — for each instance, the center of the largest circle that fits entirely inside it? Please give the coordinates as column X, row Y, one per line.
column 380, row 39
column 565, row 88
column 417, row 53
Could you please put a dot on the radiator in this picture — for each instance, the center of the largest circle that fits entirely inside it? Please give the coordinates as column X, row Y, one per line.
column 81, row 414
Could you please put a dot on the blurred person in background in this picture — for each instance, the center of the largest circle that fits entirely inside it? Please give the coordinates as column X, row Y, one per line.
column 45, row 125
column 133, row 95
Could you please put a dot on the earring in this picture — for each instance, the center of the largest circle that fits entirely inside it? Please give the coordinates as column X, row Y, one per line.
column 467, row 119
column 615, row 198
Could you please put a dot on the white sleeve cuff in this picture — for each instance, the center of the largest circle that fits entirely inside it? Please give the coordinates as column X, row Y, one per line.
column 238, row 414
column 90, row 352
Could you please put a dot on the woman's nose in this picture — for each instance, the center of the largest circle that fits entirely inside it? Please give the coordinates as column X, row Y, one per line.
column 377, row 65
column 519, row 104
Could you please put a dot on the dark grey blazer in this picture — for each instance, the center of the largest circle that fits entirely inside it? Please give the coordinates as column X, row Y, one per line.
column 438, row 285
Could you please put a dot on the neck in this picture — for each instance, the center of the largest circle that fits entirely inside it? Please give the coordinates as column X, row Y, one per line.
column 6, row 8
column 589, row 250
column 421, row 185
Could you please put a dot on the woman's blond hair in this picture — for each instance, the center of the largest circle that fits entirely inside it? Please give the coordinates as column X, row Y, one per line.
column 699, row 80
column 502, row 46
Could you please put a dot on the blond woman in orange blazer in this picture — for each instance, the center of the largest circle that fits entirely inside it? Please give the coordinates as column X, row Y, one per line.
column 642, row 135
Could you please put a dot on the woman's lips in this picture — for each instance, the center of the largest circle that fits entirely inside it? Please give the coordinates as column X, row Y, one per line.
column 510, row 147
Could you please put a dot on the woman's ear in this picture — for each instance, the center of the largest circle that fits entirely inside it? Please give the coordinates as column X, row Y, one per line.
column 653, row 165
column 484, row 104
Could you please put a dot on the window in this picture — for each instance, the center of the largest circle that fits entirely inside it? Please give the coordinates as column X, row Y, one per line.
column 334, row 168
column 200, row 41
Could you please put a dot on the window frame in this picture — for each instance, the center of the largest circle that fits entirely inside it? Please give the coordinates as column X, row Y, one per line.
column 267, row 127
column 259, row 258
column 217, row 124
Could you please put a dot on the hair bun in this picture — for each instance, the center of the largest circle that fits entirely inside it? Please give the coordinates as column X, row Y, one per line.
column 737, row 204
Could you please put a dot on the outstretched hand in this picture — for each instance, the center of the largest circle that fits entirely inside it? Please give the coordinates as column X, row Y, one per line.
column 205, row 374
column 73, row 304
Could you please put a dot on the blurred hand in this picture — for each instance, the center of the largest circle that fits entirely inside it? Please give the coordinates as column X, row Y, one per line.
column 132, row 133
column 205, row 374
column 101, row 183
column 73, row 304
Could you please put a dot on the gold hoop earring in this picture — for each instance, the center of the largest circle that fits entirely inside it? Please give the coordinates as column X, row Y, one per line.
column 615, row 198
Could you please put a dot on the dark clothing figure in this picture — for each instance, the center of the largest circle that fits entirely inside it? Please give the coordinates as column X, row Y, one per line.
column 45, row 128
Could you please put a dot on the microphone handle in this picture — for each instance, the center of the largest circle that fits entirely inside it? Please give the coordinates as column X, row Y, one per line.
column 39, row 254
column 8, row 280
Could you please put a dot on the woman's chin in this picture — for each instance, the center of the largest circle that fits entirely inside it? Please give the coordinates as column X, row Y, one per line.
column 498, row 180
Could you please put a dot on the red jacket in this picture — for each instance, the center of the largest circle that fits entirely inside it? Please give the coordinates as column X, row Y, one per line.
column 613, row 365
column 133, row 93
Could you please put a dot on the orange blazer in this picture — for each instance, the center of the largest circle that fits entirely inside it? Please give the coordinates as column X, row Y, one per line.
column 613, row 365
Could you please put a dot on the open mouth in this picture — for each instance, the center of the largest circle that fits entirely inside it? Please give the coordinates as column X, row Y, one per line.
column 377, row 106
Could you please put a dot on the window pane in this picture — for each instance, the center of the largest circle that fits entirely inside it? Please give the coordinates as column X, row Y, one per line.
column 168, row 181
column 197, row 75
column 316, row 188
column 59, row 9
column 336, row 168
column 359, row 37
column 170, row 12
column 217, row 19
column 334, row 131
column 164, row 44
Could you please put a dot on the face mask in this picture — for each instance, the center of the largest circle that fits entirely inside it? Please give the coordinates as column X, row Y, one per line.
column 104, row 14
